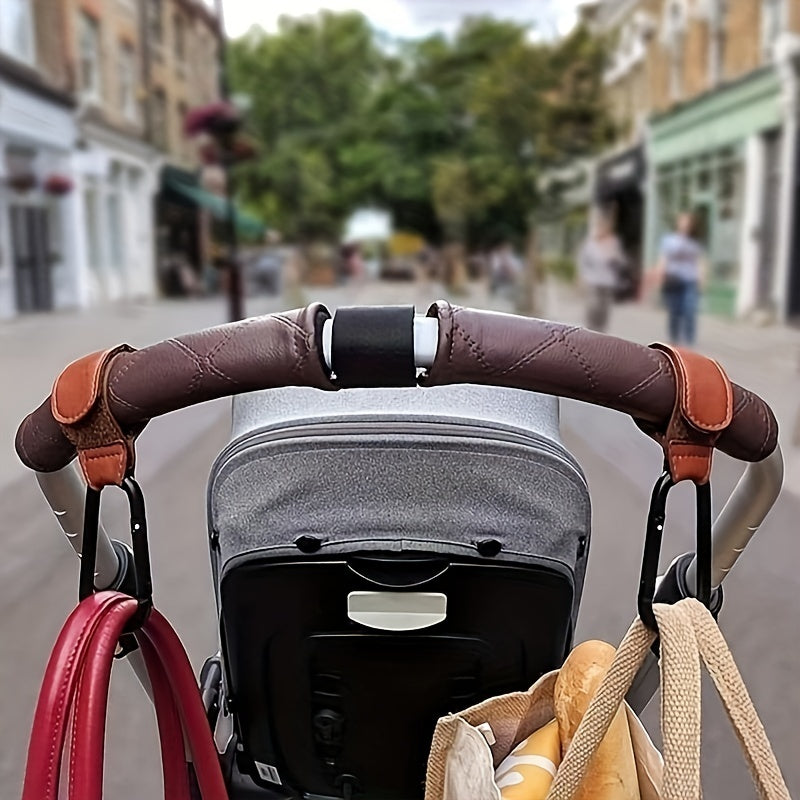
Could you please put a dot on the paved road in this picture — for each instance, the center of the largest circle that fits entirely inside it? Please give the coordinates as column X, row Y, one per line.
column 38, row 575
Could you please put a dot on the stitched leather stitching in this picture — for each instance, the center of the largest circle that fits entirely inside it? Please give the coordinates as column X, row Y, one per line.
column 645, row 382
column 62, row 691
column 110, row 388
column 97, row 367
column 282, row 318
column 579, row 358
column 209, row 357
column 549, row 340
column 689, row 405
column 117, row 461
column 451, row 320
column 473, row 346
column 197, row 375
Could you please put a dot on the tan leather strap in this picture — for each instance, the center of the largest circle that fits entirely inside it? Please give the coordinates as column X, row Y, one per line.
column 703, row 410
column 80, row 406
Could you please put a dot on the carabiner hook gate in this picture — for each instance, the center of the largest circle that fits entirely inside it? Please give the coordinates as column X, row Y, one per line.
column 143, row 591
column 652, row 547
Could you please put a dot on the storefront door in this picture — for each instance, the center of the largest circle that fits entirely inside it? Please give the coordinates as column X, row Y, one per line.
column 769, row 219
column 30, row 248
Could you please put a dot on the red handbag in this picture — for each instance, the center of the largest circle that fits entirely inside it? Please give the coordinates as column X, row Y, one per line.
column 74, row 698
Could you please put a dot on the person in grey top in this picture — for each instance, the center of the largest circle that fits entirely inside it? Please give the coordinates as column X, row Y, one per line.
column 681, row 271
column 600, row 261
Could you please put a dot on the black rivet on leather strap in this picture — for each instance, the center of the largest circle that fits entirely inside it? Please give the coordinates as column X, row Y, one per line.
column 373, row 346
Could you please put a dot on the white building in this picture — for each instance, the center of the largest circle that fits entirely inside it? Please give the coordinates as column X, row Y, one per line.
column 116, row 178
column 38, row 258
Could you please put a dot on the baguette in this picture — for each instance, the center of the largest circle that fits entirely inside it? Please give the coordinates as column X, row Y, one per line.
column 612, row 771
column 527, row 772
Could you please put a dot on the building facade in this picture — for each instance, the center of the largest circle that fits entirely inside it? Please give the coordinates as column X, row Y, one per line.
column 704, row 95
column 115, row 167
column 92, row 98
column 38, row 257
column 182, row 73
column 723, row 145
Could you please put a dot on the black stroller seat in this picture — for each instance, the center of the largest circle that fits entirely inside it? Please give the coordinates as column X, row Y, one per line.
column 382, row 558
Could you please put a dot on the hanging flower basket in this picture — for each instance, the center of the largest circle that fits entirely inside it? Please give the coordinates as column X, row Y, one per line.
column 22, row 181
column 243, row 148
column 58, row 185
column 216, row 119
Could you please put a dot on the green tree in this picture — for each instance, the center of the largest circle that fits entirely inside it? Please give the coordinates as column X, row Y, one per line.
column 448, row 134
column 310, row 84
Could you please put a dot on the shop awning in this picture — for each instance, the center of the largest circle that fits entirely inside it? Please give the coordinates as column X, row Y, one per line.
column 219, row 207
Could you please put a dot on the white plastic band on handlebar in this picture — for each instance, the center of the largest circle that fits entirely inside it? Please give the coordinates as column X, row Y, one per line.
column 426, row 341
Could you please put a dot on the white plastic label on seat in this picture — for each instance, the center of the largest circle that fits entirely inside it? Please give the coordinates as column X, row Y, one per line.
column 267, row 772
column 397, row 611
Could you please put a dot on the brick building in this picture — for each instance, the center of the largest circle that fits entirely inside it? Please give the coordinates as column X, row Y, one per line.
column 182, row 73
column 722, row 143
column 37, row 134
column 705, row 97
column 115, row 166
column 92, row 96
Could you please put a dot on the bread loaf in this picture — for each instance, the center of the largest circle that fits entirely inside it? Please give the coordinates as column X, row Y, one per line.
column 612, row 770
column 527, row 772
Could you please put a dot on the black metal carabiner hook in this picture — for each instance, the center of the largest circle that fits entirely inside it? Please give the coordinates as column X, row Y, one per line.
column 652, row 546
column 143, row 591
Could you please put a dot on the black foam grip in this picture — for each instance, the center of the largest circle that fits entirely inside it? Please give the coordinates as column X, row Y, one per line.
column 373, row 347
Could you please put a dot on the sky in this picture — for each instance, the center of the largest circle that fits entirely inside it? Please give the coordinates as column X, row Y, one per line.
column 405, row 18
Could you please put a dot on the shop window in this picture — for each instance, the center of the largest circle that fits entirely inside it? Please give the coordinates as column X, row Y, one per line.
column 674, row 37
column 772, row 23
column 92, row 229
column 115, row 234
column 183, row 110
column 154, row 22
column 16, row 30
column 179, row 36
column 127, row 82
column 729, row 176
column 89, row 56
column 684, row 190
column 159, row 119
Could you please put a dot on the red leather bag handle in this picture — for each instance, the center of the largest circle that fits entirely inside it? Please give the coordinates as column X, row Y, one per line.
column 75, row 689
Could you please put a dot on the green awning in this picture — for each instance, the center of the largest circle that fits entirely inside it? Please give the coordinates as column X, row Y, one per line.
column 246, row 224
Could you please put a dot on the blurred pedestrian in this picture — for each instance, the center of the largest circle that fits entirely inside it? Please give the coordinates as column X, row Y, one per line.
column 681, row 271
column 505, row 267
column 353, row 267
column 600, row 263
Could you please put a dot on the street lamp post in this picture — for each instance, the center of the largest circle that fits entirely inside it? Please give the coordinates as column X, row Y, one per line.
column 235, row 288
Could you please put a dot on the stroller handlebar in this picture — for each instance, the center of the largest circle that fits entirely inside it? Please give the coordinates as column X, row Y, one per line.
column 478, row 347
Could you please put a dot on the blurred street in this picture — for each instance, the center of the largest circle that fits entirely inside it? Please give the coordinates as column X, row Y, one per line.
column 630, row 166
column 39, row 571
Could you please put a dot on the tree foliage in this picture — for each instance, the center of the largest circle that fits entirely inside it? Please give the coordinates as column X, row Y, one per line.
column 448, row 134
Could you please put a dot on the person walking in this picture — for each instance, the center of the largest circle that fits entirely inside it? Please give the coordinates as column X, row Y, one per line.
column 681, row 271
column 600, row 261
